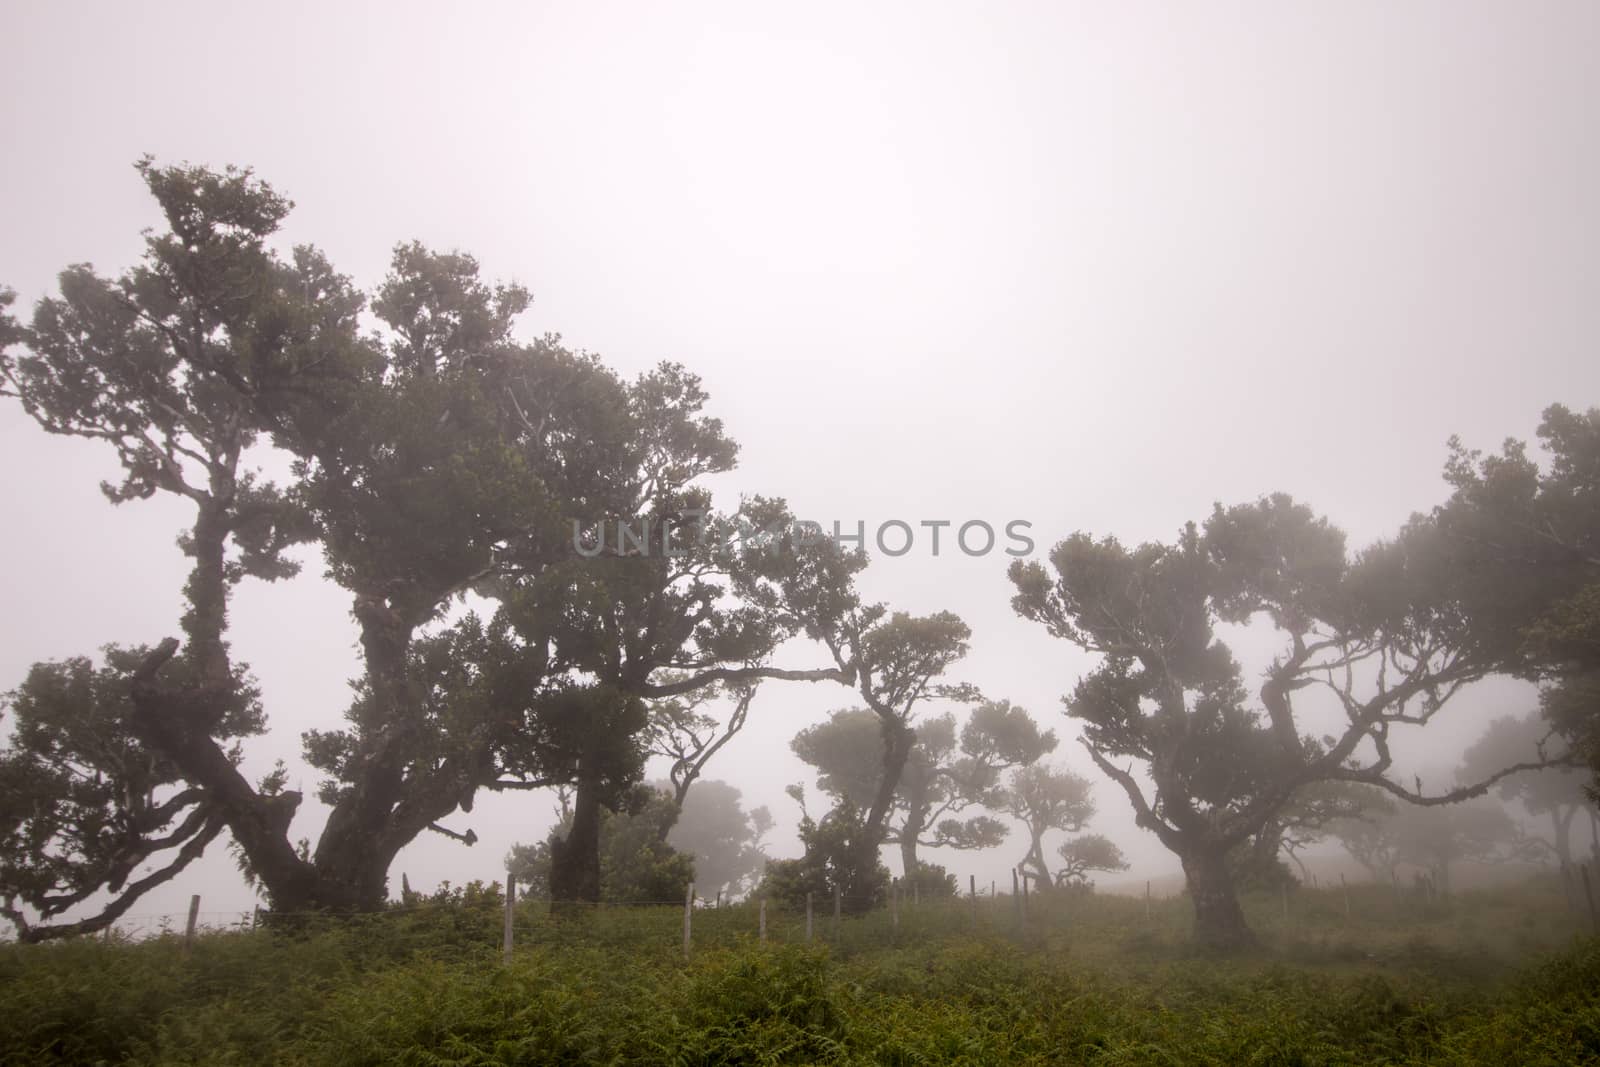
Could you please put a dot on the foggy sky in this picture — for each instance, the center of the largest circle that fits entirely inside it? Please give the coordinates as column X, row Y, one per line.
column 1093, row 266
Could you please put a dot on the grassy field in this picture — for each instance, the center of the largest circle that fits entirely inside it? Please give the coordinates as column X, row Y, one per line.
column 1494, row 977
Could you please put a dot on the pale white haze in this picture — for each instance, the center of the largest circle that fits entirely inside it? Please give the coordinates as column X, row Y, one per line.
column 1092, row 266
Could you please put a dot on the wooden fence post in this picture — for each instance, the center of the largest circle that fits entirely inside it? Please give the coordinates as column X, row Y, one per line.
column 1147, row 900
column 719, row 898
column 916, row 892
column 972, row 886
column 894, row 904
column 761, row 907
column 194, row 917
column 688, row 912
column 1025, row 900
column 511, row 904
column 808, row 916
column 1016, row 897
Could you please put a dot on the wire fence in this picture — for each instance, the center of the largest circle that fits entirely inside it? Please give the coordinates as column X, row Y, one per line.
column 484, row 915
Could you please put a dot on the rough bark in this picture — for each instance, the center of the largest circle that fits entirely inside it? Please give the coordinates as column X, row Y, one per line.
column 206, row 620
column 175, row 724
column 179, row 722
column 575, row 861
column 908, row 851
column 210, row 825
column 1033, row 864
column 1218, row 920
column 366, row 829
column 361, row 838
column 898, row 741
column 911, row 831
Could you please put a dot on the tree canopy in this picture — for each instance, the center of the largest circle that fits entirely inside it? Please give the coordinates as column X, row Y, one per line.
column 1379, row 634
column 436, row 456
column 1434, row 840
column 946, row 780
column 1556, row 792
column 725, row 840
column 1044, row 798
column 1527, row 538
column 548, row 594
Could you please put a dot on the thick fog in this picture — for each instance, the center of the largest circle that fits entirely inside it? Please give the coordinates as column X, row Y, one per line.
column 1088, row 266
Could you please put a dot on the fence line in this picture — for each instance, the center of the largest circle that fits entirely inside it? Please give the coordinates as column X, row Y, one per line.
column 761, row 918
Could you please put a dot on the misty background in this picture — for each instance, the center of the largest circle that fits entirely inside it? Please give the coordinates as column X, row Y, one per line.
column 1093, row 267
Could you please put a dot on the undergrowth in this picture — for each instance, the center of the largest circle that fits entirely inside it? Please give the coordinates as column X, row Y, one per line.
column 1095, row 982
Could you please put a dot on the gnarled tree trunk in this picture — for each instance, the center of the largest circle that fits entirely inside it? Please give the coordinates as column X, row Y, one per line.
column 575, row 861
column 916, row 814
column 863, row 852
column 908, row 856
column 1034, row 866
column 1218, row 920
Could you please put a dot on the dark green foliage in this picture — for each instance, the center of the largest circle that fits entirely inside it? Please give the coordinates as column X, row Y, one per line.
column 929, row 881
column 791, row 881
column 834, row 859
column 636, row 863
column 1085, row 854
column 1227, row 765
column 942, row 782
column 1091, row 984
column 895, row 661
column 436, row 457
column 181, row 365
column 85, row 807
column 847, row 752
column 1529, row 537
column 1046, row 798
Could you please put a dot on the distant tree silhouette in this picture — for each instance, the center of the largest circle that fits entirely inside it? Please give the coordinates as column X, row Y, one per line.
column 1380, row 635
